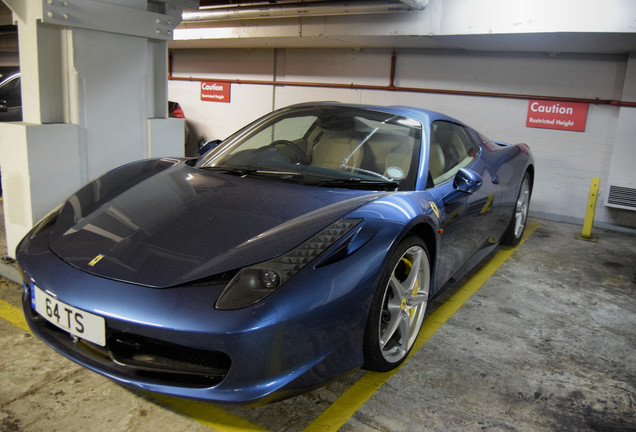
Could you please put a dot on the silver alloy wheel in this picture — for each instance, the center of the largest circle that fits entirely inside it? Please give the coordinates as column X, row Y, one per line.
column 521, row 208
column 404, row 304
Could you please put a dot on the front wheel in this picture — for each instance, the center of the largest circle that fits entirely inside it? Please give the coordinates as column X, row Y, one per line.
column 398, row 307
column 517, row 224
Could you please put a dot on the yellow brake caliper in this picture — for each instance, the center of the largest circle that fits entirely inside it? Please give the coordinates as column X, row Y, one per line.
column 409, row 267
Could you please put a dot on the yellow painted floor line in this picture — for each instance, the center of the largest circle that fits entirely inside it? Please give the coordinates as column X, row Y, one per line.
column 208, row 414
column 14, row 315
column 339, row 412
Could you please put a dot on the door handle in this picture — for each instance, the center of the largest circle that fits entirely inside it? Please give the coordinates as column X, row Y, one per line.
column 495, row 179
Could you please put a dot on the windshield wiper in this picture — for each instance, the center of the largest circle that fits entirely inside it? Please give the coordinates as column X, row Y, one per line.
column 242, row 172
column 358, row 183
column 350, row 183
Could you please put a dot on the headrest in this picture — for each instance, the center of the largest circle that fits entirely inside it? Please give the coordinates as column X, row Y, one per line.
column 336, row 123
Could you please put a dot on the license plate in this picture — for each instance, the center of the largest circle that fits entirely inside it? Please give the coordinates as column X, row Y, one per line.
column 76, row 321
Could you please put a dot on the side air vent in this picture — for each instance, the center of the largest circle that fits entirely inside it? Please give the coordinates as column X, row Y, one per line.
column 622, row 197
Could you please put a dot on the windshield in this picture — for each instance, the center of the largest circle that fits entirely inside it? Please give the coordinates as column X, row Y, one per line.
column 325, row 146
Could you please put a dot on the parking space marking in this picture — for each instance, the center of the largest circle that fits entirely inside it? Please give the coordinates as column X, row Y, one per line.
column 13, row 314
column 339, row 412
column 208, row 414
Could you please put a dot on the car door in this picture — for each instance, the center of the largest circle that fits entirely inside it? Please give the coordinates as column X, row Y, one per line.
column 468, row 220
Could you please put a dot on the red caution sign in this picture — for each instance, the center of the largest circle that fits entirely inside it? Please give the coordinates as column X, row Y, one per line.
column 557, row 115
column 215, row 91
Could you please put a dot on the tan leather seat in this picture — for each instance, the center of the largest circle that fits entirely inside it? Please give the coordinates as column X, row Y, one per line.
column 334, row 152
column 336, row 144
column 436, row 160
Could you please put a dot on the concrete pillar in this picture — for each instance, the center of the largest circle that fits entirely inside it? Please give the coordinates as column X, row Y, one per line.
column 94, row 95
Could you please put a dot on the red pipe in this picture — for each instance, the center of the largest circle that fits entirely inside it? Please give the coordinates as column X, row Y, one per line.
column 392, row 78
column 392, row 87
column 169, row 66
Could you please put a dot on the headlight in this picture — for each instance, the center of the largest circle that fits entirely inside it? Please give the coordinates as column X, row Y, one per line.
column 254, row 283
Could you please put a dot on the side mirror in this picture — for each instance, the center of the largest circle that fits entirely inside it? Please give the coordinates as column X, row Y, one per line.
column 3, row 106
column 467, row 181
column 209, row 146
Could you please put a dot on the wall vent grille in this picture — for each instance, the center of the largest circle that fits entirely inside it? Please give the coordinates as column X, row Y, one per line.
column 622, row 196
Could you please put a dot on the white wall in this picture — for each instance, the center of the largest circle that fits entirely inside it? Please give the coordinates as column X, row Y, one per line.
column 565, row 161
column 216, row 120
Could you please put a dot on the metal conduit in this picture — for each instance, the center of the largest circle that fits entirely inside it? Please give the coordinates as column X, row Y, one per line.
column 302, row 10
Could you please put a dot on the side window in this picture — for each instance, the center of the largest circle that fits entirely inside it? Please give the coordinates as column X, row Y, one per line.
column 451, row 148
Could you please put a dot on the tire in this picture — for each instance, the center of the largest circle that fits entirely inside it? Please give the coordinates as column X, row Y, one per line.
column 398, row 306
column 519, row 219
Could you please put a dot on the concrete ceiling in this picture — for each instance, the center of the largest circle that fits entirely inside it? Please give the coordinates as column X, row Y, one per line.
column 567, row 26
column 5, row 15
column 455, row 24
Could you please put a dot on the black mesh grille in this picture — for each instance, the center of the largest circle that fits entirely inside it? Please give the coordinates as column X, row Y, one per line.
column 153, row 355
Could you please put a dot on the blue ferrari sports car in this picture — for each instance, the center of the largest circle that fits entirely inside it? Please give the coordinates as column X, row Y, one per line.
column 302, row 247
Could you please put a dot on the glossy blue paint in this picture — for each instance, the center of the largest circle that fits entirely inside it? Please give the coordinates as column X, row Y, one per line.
column 158, row 231
column 173, row 234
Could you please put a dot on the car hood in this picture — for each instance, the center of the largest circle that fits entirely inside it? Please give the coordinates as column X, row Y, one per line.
column 164, row 226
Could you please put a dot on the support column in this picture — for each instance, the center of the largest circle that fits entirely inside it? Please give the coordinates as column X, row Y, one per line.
column 94, row 93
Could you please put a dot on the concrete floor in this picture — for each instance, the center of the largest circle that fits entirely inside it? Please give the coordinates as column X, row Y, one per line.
column 547, row 343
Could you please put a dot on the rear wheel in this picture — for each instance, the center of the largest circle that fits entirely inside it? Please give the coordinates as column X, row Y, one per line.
column 398, row 307
column 517, row 225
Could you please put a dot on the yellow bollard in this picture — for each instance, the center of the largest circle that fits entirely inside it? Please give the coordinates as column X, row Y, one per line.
column 586, row 234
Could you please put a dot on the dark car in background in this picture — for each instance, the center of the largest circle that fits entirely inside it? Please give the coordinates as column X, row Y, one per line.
column 10, row 96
